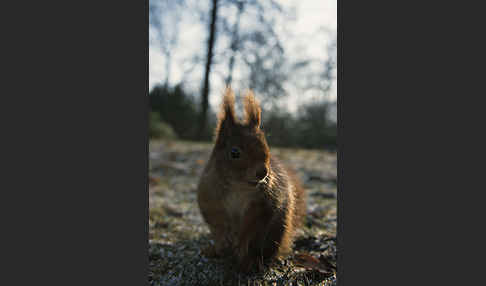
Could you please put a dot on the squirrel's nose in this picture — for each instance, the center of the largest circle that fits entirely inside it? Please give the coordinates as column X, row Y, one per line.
column 261, row 172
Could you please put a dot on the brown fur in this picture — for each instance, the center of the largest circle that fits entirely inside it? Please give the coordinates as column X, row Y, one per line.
column 249, row 216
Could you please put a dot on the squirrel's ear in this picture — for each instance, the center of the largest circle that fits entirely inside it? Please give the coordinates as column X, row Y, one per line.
column 252, row 110
column 226, row 117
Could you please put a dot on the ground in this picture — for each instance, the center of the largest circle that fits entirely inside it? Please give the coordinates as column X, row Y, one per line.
column 177, row 232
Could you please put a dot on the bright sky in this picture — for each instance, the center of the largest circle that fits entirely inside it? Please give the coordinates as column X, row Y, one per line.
column 311, row 15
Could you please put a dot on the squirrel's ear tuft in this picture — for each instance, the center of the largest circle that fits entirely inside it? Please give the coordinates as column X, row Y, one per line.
column 226, row 116
column 252, row 110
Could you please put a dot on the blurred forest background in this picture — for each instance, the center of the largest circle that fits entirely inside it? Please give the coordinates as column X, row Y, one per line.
column 285, row 51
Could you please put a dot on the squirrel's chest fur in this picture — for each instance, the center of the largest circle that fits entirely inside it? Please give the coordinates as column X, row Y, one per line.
column 226, row 202
column 237, row 200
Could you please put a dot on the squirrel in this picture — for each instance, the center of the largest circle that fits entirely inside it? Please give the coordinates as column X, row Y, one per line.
column 250, row 201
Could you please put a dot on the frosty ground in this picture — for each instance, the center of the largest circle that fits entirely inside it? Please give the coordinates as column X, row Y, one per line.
column 177, row 232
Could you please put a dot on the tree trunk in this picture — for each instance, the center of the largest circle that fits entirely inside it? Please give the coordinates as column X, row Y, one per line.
column 235, row 41
column 205, row 91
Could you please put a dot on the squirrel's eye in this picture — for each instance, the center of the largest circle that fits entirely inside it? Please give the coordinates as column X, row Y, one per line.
column 235, row 153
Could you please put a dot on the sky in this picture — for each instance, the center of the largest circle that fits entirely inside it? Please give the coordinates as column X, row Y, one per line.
column 311, row 15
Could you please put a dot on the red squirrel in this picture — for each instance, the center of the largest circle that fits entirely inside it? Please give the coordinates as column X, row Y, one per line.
column 251, row 202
